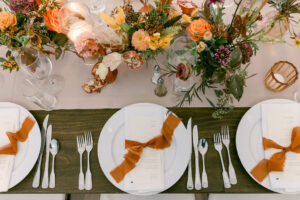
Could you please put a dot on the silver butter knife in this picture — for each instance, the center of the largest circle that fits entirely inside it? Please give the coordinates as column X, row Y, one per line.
column 45, row 182
column 197, row 170
column 37, row 175
column 190, row 184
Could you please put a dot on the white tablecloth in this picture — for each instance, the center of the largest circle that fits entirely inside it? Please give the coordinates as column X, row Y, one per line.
column 136, row 86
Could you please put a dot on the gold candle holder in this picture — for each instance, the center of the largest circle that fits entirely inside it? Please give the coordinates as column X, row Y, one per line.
column 282, row 75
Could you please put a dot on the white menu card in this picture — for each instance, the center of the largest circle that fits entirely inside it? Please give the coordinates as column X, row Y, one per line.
column 9, row 121
column 142, row 123
column 278, row 121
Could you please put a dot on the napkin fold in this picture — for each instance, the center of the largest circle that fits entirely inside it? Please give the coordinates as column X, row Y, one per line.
column 277, row 160
column 9, row 121
column 281, row 143
column 9, row 142
column 21, row 135
column 136, row 148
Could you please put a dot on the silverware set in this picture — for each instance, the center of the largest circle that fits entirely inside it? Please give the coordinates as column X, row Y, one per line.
column 219, row 140
column 201, row 146
column 85, row 143
column 52, row 146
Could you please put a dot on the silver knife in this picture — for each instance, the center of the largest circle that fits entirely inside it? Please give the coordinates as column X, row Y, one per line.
column 37, row 175
column 197, row 170
column 45, row 182
column 190, row 184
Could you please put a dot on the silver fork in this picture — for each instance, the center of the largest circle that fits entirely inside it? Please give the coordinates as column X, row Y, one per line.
column 88, row 147
column 226, row 142
column 218, row 147
column 81, row 149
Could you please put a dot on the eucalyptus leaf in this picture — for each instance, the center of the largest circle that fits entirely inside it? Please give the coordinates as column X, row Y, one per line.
column 235, row 58
column 219, row 75
column 235, row 85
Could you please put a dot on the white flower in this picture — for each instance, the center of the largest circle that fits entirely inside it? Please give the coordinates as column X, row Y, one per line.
column 112, row 60
column 102, row 71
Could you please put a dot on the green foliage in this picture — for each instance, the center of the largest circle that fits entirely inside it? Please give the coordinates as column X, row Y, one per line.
column 235, row 58
column 172, row 30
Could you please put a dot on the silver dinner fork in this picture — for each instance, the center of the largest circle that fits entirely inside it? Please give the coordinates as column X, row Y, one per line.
column 88, row 147
column 218, row 147
column 81, row 149
column 226, row 142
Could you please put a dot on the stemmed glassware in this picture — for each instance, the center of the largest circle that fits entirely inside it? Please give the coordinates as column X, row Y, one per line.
column 37, row 66
column 30, row 90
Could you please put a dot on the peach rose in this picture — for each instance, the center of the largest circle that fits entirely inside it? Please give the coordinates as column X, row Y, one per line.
column 7, row 19
column 200, row 27
column 51, row 20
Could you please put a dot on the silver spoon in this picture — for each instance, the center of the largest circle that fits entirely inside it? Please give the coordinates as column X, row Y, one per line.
column 202, row 147
column 54, row 148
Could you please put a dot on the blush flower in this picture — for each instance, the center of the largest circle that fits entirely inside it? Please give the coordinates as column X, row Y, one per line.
column 22, row 6
column 201, row 46
column 140, row 40
column 86, row 45
column 6, row 20
column 133, row 60
column 175, row 11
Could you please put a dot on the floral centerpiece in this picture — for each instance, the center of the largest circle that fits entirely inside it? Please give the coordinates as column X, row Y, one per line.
column 146, row 32
column 138, row 36
column 32, row 24
column 221, row 52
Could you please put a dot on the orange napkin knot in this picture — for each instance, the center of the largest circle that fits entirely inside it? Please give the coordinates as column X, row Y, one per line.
column 276, row 162
column 135, row 148
column 21, row 135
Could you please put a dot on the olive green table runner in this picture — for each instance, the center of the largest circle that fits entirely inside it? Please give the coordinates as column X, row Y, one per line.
column 67, row 124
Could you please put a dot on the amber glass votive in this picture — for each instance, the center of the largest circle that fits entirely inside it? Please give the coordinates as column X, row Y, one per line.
column 282, row 75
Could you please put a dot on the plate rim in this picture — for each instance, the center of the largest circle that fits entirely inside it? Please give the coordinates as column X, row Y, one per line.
column 144, row 193
column 279, row 100
column 16, row 180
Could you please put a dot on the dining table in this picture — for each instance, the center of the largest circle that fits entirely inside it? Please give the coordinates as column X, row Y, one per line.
column 77, row 111
column 67, row 124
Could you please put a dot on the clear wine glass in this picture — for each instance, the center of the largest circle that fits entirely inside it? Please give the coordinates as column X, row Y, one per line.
column 37, row 66
column 73, row 12
column 33, row 92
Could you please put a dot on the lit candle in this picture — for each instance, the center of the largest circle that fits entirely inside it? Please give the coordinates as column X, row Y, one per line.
column 279, row 77
column 78, row 28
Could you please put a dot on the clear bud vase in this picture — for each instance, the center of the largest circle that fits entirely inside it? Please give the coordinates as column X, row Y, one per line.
column 278, row 26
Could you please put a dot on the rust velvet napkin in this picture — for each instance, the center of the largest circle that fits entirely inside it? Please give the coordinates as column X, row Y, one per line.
column 276, row 162
column 21, row 135
column 135, row 148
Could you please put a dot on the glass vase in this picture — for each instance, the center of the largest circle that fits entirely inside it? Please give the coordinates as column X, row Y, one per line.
column 278, row 26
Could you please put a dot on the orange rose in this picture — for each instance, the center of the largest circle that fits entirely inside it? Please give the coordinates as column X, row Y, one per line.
column 51, row 20
column 200, row 27
column 7, row 19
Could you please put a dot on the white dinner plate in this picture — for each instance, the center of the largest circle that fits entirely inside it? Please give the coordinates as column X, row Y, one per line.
column 111, row 149
column 249, row 141
column 28, row 151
